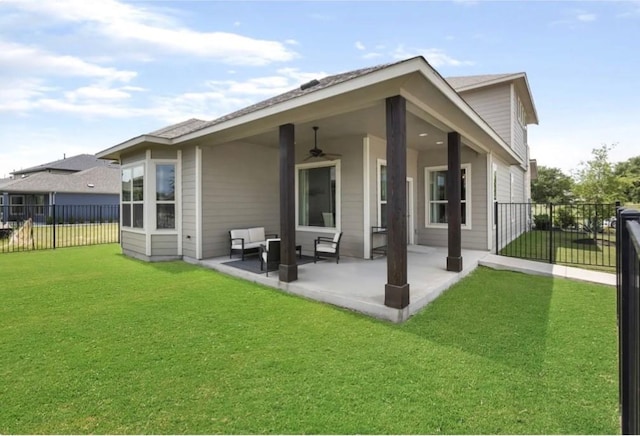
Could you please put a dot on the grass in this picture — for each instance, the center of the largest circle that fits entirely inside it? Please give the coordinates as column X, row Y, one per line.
column 66, row 235
column 92, row 342
column 569, row 248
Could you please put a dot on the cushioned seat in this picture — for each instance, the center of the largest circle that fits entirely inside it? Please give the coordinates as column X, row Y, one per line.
column 327, row 247
column 270, row 255
column 245, row 240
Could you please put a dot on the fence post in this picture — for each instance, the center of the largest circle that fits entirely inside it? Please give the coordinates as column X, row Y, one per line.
column 53, row 206
column 629, row 326
column 495, row 214
column 550, row 232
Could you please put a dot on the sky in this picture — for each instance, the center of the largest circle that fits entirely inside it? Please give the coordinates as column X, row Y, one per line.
column 78, row 76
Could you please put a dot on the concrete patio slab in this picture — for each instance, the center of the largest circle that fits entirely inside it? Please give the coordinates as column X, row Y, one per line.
column 358, row 284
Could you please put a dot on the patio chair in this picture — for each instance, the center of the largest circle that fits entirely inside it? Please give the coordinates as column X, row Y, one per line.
column 327, row 247
column 270, row 255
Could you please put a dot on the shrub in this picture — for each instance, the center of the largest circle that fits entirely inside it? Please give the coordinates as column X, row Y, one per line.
column 565, row 217
column 542, row 221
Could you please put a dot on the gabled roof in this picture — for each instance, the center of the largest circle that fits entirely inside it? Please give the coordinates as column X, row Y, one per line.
column 97, row 180
column 464, row 84
column 72, row 164
column 357, row 83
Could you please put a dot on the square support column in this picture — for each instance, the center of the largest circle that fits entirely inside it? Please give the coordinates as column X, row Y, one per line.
column 396, row 291
column 288, row 271
column 454, row 206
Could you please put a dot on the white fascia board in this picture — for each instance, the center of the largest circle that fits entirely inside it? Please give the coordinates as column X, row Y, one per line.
column 382, row 75
column 133, row 142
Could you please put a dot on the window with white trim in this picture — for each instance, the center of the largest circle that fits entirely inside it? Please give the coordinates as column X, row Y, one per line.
column 166, row 196
column 495, row 192
column 436, row 196
column 1, row 208
column 133, row 196
column 382, row 193
column 318, row 195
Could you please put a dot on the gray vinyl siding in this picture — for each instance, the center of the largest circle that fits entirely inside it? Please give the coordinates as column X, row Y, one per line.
column 164, row 153
column 474, row 238
column 510, row 222
column 164, row 245
column 137, row 156
column 134, row 242
column 189, row 202
column 493, row 104
column 240, row 189
column 351, row 195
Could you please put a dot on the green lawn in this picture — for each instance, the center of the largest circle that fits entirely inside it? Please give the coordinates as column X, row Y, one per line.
column 93, row 342
column 576, row 249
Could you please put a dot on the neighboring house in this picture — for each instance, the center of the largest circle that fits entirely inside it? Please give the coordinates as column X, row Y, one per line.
column 409, row 143
column 75, row 181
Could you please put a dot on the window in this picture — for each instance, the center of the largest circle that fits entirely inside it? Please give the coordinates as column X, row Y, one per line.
column 521, row 114
column 436, row 193
column 133, row 197
column 317, row 187
column 165, row 196
column 17, row 205
column 35, row 204
column 382, row 193
column 495, row 193
column 1, row 208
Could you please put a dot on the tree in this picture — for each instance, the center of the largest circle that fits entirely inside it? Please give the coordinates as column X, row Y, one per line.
column 551, row 186
column 596, row 181
column 629, row 173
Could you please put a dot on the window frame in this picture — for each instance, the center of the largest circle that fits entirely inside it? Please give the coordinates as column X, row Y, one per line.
column 380, row 163
column 133, row 202
column 12, row 205
column 154, row 191
column 427, row 196
column 338, row 219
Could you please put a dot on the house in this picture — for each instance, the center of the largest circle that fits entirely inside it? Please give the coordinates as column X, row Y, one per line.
column 70, row 184
column 419, row 155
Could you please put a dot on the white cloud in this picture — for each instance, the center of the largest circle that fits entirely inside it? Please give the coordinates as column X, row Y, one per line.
column 584, row 17
column 131, row 23
column 100, row 92
column 360, row 46
column 435, row 56
column 20, row 95
column 27, row 60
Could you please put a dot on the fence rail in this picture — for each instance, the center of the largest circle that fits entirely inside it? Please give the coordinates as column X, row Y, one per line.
column 628, row 287
column 582, row 233
column 41, row 227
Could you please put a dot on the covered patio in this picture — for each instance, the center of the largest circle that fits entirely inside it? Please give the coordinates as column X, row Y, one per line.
column 354, row 283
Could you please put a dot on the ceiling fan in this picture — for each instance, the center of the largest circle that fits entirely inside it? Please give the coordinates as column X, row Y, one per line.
column 316, row 152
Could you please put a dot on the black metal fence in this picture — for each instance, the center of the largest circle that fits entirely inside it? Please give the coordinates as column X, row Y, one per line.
column 628, row 287
column 41, row 227
column 581, row 233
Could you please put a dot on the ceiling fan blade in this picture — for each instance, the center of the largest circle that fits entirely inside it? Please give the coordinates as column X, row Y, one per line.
column 331, row 156
column 307, row 158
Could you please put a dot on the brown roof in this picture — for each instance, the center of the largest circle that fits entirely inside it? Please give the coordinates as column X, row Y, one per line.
column 193, row 124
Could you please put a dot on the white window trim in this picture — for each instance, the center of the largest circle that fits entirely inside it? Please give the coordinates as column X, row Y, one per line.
column 427, row 194
column 176, row 201
column 494, row 190
column 145, row 224
column 338, row 222
column 379, row 201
